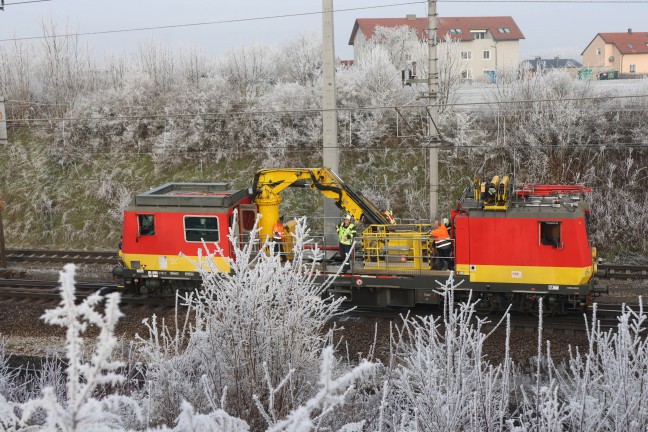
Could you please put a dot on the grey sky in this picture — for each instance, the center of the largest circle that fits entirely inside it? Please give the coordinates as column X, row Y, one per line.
column 551, row 27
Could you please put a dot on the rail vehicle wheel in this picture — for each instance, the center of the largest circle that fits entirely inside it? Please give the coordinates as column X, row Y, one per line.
column 487, row 305
column 549, row 308
column 131, row 287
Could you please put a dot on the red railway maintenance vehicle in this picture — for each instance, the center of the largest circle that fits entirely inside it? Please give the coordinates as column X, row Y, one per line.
column 511, row 246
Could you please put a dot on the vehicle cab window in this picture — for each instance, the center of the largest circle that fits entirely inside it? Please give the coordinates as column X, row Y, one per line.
column 199, row 228
column 550, row 234
column 146, row 224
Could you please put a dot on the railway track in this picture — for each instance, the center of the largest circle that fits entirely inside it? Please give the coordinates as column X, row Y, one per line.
column 61, row 256
column 618, row 271
column 571, row 324
column 43, row 289
column 47, row 290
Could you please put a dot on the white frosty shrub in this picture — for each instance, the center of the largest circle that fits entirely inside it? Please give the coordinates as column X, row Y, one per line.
column 603, row 389
column 8, row 419
column 80, row 411
column 309, row 416
column 331, row 394
column 10, row 386
column 259, row 327
column 443, row 382
column 10, row 390
column 217, row 420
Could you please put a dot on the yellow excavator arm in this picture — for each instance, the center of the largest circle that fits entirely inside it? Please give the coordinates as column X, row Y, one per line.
column 269, row 183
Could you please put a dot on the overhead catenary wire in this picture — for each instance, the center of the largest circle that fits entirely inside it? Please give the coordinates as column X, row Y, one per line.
column 310, row 149
column 317, row 110
column 25, row 2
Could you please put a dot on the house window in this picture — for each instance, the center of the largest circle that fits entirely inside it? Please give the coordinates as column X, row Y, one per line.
column 504, row 30
column 466, row 55
column 550, row 234
column 199, row 228
column 630, row 46
column 455, row 31
column 479, row 35
column 598, row 51
column 466, row 74
column 487, row 55
column 633, row 68
column 146, row 223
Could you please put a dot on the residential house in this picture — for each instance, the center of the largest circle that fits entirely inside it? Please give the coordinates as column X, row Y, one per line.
column 625, row 53
column 486, row 43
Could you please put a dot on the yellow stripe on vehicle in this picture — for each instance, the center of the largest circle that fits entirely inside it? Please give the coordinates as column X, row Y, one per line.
column 172, row 262
column 527, row 274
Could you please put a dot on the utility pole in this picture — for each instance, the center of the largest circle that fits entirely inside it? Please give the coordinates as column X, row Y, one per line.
column 330, row 151
column 433, row 86
column 3, row 123
column 3, row 141
column 3, row 254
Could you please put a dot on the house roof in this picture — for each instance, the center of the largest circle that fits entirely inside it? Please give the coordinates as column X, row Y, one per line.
column 626, row 42
column 553, row 63
column 501, row 27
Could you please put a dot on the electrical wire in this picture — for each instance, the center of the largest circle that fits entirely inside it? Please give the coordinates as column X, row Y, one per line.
column 547, row 1
column 25, row 2
column 348, row 148
column 319, row 110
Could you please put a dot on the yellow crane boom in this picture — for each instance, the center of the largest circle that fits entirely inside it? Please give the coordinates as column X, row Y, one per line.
column 269, row 183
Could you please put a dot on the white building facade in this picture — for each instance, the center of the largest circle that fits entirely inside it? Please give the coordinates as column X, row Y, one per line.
column 485, row 43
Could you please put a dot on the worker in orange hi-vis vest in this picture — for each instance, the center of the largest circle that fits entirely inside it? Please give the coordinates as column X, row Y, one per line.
column 442, row 243
column 278, row 233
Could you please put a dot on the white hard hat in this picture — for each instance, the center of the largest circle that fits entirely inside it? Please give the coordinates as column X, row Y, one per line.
column 348, row 216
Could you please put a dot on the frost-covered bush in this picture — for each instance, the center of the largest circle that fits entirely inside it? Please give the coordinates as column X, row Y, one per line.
column 7, row 376
column 604, row 388
column 442, row 379
column 253, row 341
column 79, row 411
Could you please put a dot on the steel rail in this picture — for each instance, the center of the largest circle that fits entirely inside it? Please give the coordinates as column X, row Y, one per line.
column 66, row 256
column 622, row 271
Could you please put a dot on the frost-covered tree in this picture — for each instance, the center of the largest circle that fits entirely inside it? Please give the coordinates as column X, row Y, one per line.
column 373, row 81
column 249, row 71
column 17, row 72
column 401, row 43
column 300, row 60
column 157, row 61
column 65, row 68
column 450, row 68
